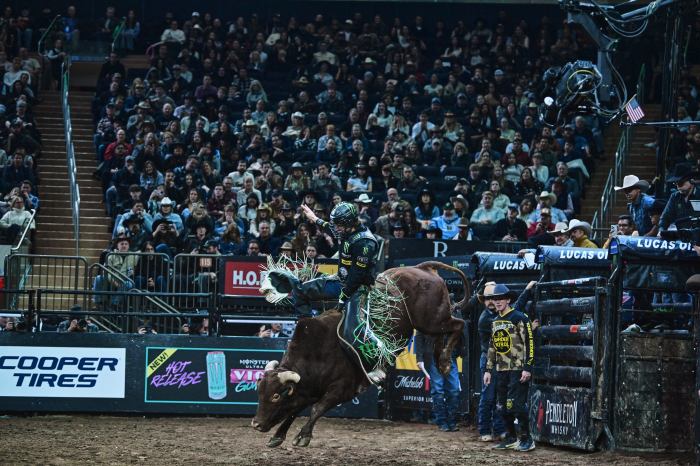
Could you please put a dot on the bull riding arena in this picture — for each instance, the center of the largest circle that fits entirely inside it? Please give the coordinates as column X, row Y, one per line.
column 598, row 394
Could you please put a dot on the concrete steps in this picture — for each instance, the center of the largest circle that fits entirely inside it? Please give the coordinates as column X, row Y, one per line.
column 55, row 223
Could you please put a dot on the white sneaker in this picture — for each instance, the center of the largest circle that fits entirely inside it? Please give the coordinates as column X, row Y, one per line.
column 486, row 438
column 377, row 376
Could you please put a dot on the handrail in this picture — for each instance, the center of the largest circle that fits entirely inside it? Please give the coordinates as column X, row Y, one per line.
column 27, row 226
column 70, row 153
column 149, row 51
column 116, row 33
column 116, row 274
column 40, row 44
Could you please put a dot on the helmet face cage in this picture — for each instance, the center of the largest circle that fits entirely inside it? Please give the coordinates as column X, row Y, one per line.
column 344, row 215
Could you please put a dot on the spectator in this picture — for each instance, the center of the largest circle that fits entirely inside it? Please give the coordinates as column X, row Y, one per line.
column 547, row 200
column 580, row 232
column 500, row 200
column 15, row 220
column 639, row 204
column 487, row 213
column 361, row 181
column 447, row 222
column 465, row 233
column 511, row 228
column 542, row 225
column 561, row 235
column 273, row 330
column 679, row 204
column 426, row 209
column 625, row 227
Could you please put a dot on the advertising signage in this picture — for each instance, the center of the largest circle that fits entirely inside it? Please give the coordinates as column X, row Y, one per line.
column 56, row 372
column 201, row 375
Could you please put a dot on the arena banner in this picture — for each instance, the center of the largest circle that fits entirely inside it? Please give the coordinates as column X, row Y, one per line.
column 454, row 283
column 160, row 374
column 641, row 247
column 242, row 275
column 572, row 257
column 410, row 248
column 561, row 416
column 496, row 264
column 55, row 372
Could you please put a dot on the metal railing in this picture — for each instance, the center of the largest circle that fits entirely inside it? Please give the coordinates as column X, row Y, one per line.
column 42, row 40
column 26, row 227
column 116, row 33
column 608, row 199
column 70, row 153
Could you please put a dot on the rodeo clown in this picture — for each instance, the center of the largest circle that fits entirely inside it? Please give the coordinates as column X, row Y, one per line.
column 512, row 354
column 357, row 256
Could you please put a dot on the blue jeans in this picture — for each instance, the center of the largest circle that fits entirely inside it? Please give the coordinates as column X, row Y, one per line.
column 444, row 390
column 489, row 420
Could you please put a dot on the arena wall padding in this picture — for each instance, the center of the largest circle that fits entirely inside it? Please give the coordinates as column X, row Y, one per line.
column 159, row 374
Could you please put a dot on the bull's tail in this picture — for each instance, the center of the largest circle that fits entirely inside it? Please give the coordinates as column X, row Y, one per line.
column 433, row 266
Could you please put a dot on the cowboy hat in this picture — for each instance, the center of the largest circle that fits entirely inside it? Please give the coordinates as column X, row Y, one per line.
column 364, row 199
column 286, row 246
column 585, row 226
column 167, row 201
column 463, row 222
column 632, row 182
column 560, row 227
column 681, row 174
column 498, row 290
column 546, row 194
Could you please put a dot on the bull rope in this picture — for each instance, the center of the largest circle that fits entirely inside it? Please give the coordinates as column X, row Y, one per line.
column 378, row 315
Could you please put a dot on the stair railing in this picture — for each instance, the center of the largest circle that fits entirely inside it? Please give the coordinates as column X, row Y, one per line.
column 116, row 34
column 608, row 199
column 70, row 153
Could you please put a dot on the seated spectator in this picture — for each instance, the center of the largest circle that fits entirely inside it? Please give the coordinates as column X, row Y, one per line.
column 297, row 181
column 383, row 225
column 487, row 213
column 572, row 186
column 426, row 209
column 465, row 233
column 539, row 171
column 527, row 185
column 580, row 232
column 625, row 227
column 561, row 235
column 361, row 181
column 15, row 220
column 511, row 228
column 547, row 200
column 447, row 222
column 500, row 200
column 542, row 225
column 564, row 201
column 273, row 330
column 512, row 169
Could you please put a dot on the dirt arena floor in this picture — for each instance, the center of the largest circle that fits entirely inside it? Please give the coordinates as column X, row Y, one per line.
column 85, row 439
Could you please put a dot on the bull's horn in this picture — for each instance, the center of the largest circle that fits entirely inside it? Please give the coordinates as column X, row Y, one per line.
column 270, row 366
column 289, row 376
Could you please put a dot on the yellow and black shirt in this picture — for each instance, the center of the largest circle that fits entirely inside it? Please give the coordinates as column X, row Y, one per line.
column 512, row 344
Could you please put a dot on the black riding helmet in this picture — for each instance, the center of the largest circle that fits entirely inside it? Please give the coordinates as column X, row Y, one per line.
column 344, row 215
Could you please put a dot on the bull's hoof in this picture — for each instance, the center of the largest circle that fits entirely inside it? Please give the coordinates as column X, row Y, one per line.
column 300, row 441
column 275, row 442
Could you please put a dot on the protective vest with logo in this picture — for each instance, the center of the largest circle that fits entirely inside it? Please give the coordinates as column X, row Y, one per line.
column 512, row 346
column 357, row 258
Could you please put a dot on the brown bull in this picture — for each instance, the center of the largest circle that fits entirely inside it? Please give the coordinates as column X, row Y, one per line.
column 316, row 371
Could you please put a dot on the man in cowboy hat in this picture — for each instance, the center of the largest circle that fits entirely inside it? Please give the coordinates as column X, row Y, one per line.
column 561, row 235
column 639, row 203
column 547, row 200
column 367, row 212
column 489, row 418
column 465, row 233
column 579, row 232
column 679, row 205
column 512, row 355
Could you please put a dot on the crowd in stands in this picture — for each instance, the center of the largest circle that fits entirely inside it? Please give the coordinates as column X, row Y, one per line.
column 20, row 138
column 432, row 129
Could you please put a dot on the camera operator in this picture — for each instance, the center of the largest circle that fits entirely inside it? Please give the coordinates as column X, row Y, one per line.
column 13, row 324
column 77, row 323
column 679, row 206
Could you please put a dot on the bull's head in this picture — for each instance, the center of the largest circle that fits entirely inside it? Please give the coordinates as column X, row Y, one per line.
column 277, row 397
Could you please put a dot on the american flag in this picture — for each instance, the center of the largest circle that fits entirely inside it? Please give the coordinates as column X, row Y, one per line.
column 634, row 111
